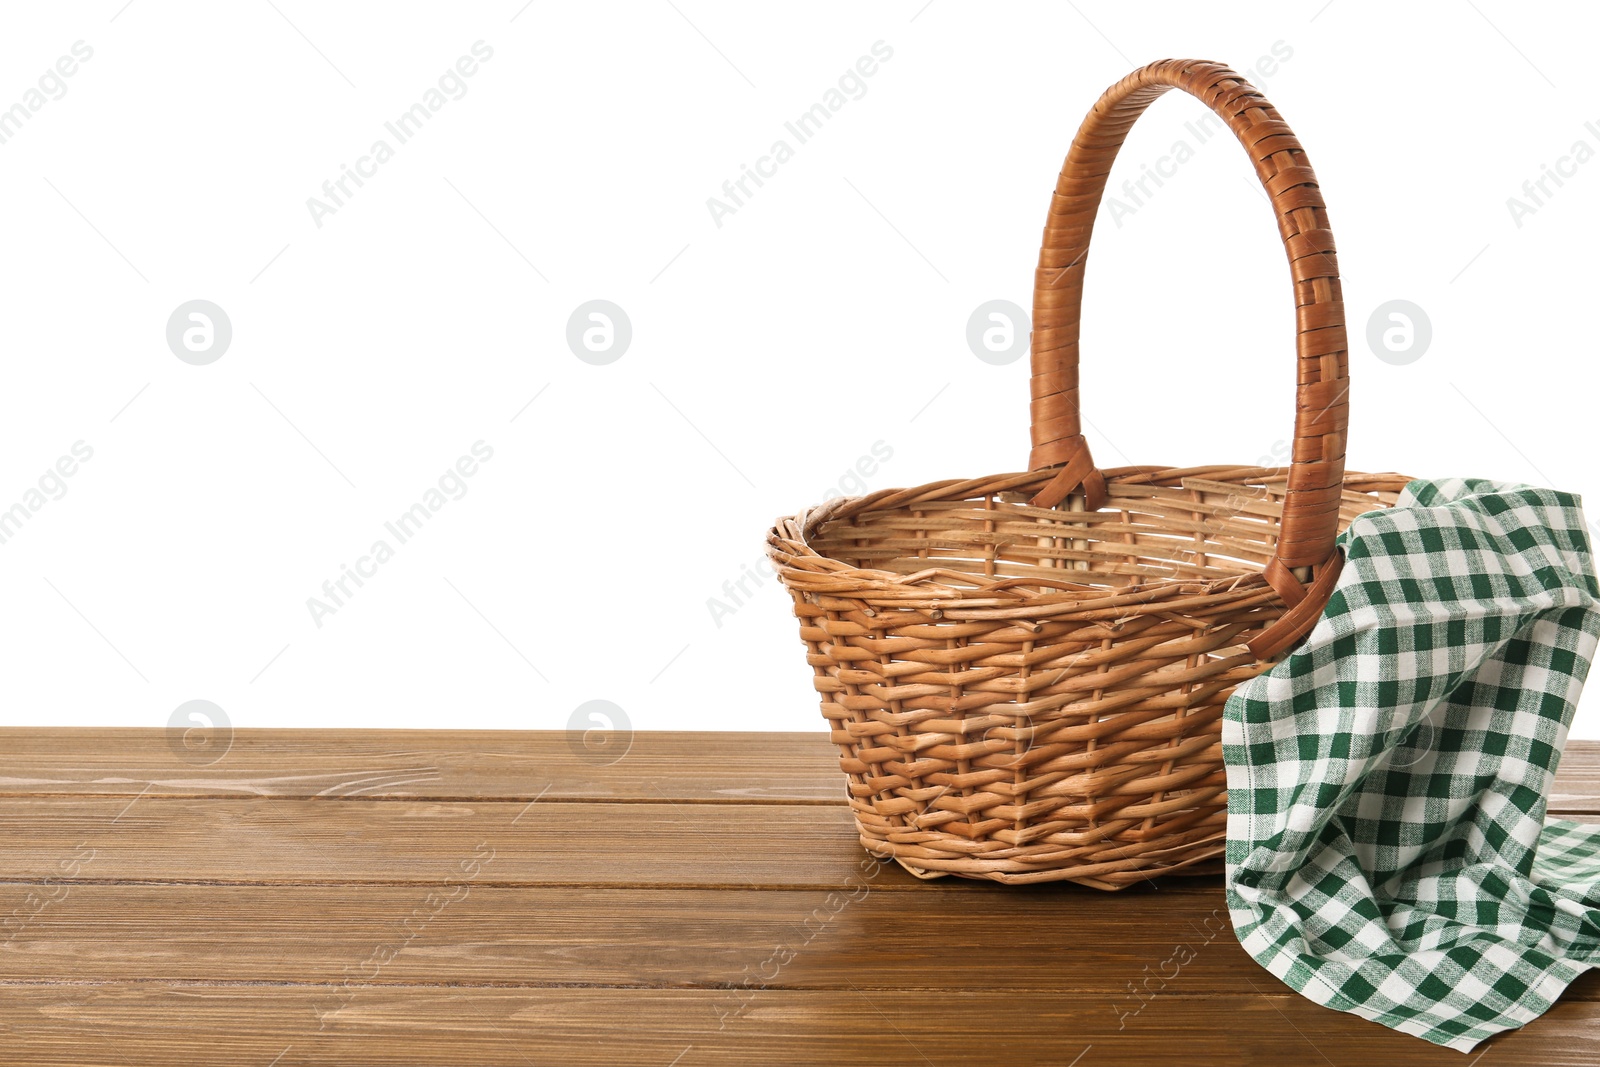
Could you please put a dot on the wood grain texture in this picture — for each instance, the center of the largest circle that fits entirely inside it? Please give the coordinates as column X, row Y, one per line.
column 483, row 764
column 539, row 843
column 510, row 936
column 1577, row 785
column 198, row 1025
column 431, row 764
column 274, row 910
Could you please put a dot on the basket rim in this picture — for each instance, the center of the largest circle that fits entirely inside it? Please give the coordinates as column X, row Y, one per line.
column 789, row 542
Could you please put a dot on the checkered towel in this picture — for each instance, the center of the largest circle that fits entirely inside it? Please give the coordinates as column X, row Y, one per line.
column 1388, row 853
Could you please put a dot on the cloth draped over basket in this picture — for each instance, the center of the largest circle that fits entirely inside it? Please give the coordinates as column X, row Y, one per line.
column 1388, row 852
column 1025, row 673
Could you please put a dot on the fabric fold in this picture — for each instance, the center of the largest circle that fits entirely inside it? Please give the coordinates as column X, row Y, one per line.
column 1388, row 853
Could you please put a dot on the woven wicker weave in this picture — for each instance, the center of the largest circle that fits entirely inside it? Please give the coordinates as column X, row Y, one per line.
column 1025, row 674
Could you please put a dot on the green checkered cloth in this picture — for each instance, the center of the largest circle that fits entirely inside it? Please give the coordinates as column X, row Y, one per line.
column 1388, row 852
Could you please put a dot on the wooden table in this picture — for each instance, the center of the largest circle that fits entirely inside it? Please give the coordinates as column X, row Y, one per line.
column 362, row 897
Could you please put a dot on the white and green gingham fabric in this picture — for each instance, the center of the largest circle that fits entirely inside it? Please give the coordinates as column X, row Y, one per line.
column 1388, row 852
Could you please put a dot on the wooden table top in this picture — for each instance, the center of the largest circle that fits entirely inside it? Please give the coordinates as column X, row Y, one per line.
column 466, row 897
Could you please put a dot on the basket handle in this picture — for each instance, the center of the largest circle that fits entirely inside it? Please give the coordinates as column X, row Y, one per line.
column 1316, row 473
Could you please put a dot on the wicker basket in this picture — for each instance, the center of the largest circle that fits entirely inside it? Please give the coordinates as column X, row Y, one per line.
column 1025, row 673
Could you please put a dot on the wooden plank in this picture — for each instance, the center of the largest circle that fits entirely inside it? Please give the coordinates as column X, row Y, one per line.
column 1577, row 784
column 280, row 842
column 197, row 1024
column 747, row 767
column 1060, row 939
column 543, row 842
column 708, row 766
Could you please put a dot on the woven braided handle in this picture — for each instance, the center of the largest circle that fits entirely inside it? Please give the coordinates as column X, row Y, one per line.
column 1316, row 474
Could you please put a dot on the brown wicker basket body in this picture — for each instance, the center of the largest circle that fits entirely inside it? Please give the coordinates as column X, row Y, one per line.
column 1026, row 673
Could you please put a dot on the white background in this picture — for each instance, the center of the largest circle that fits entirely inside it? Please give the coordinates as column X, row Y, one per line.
column 770, row 353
